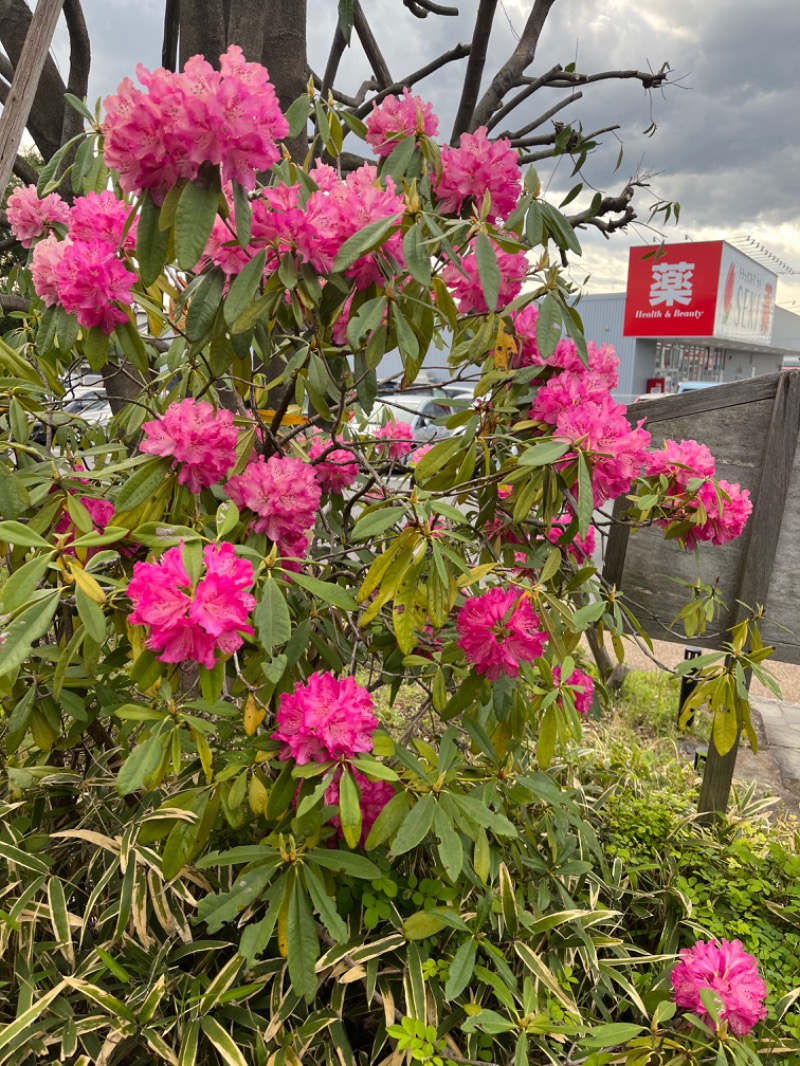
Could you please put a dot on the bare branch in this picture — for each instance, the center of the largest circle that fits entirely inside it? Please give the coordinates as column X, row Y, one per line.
column 610, row 205
column 422, row 8
column 338, row 45
column 566, row 79
column 519, row 61
column 459, row 52
column 477, row 62
column 172, row 27
column 370, row 46
column 13, row 303
column 540, row 121
column 80, row 59
column 531, row 86
column 6, row 68
column 25, row 171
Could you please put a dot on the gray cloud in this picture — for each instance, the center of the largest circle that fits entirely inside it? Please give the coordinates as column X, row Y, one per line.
column 726, row 145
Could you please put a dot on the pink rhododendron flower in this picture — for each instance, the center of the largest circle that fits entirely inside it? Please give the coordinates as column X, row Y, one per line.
column 476, row 167
column 284, row 494
column 193, row 623
column 398, row 117
column 283, row 225
column 92, row 282
column 689, row 468
column 497, row 631
column 326, row 718
column 468, row 290
column 581, row 685
column 419, row 453
column 29, row 217
column 47, row 254
column 337, row 471
column 223, row 250
column 200, row 441
column 98, row 217
column 229, row 117
column 100, row 512
column 341, row 211
column 398, row 437
column 580, row 548
column 724, row 967
column 374, row 797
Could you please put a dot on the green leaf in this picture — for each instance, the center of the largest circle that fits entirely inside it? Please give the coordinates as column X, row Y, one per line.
column 422, row 925
column 151, row 241
column 439, row 456
column 346, row 16
column 302, row 944
column 194, row 219
column 416, row 825
column 548, row 325
column 585, row 495
column 377, row 522
column 345, row 862
column 350, row 809
column 297, row 115
column 548, row 734
column 17, row 533
column 611, row 1034
column 560, row 230
column 324, row 905
column 21, row 858
column 242, row 214
column 143, row 761
column 163, row 534
column 218, row 909
column 95, row 346
column 326, row 591
column 272, row 619
column 366, row 240
column 142, row 484
column 224, row 1043
column 488, row 270
column 399, row 160
column 91, row 615
column 205, row 301
column 461, row 969
column 388, row 821
column 451, row 852
column 20, row 586
column 543, row 454
column 418, row 260
column 27, row 627
column 244, row 288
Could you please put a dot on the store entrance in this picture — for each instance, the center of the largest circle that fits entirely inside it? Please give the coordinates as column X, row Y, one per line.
column 677, row 362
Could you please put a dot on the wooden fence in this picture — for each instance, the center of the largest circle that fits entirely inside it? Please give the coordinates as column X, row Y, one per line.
column 751, row 428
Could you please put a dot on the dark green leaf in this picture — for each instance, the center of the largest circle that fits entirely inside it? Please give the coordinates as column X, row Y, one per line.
column 366, row 240
column 151, row 241
column 205, row 301
column 461, row 969
column 141, row 485
column 194, row 219
column 488, row 270
column 302, row 944
column 244, row 288
column 416, row 825
column 326, row 591
column 27, row 627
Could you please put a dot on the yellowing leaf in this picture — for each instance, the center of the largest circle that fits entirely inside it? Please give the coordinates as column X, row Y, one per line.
column 253, row 715
column 505, row 348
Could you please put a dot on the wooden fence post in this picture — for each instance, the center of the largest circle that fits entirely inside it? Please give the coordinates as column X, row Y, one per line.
column 758, row 558
column 26, row 80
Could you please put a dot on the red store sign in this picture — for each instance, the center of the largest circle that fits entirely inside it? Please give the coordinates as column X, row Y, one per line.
column 698, row 289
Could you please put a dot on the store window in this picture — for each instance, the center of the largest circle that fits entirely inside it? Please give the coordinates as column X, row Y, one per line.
column 676, row 362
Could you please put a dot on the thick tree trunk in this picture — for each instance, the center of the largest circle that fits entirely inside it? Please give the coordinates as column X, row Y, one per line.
column 284, row 55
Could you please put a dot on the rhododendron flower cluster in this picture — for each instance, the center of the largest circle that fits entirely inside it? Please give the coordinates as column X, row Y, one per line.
column 580, row 684
column 335, row 468
column 29, row 217
column 468, row 291
column 200, row 441
column 577, row 405
column 714, row 518
column 155, row 137
column 580, row 548
column 476, row 167
column 82, row 273
column 100, row 512
column 374, row 797
column 498, row 630
column 327, row 718
column 285, row 494
column 187, row 622
column 724, row 967
column 92, row 282
column 397, row 439
column 398, row 117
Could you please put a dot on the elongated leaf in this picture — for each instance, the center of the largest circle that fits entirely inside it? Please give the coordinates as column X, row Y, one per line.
column 542, row 454
column 244, row 288
column 18, row 533
column 272, row 618
column 326, row 591
column 324, row 905
column 144, row 760
column 204, row 304
column 488, row 270
column 416, row 825
column 151, row 241
column 366, row 240
column 303, row 944
column 461, row 969
column 194, row 219
column 345, row 862
column 27, row 627
column 418, row 260
column 224, row 1043
column 141, row 485
column 217, row 910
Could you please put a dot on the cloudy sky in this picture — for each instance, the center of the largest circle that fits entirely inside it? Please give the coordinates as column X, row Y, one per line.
column 726, row 145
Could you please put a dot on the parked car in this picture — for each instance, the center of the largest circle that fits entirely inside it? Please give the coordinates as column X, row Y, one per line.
column 87, row 403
